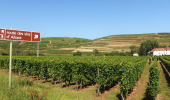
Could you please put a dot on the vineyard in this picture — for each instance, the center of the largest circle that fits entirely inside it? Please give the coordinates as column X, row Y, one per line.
column 86, row 71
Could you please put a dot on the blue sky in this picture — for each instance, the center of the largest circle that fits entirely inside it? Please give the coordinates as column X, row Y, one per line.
column 89, row 19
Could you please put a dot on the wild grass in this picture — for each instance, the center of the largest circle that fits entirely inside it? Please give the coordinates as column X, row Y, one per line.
column 23, row 89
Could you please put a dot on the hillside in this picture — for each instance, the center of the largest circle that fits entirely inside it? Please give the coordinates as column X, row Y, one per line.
column 66, row 45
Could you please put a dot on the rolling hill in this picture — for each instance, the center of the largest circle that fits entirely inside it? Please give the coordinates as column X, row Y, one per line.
column 66, row 45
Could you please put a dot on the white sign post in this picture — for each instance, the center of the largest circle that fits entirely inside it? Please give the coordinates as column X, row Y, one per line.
column 10, row 65
column 17, row 35
column 38, row 49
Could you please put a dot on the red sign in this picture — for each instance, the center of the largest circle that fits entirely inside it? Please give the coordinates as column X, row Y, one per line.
column 36, row 36
column 2, row 33
column 18, row 35
column 8, row 34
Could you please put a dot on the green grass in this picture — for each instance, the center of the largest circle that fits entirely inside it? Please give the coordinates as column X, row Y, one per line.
column 23, row 89
column 114, row 95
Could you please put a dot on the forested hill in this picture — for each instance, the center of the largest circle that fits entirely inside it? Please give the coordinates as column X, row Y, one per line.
column 66, row 45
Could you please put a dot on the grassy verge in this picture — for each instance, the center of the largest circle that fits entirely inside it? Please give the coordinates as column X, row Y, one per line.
column 23, row 89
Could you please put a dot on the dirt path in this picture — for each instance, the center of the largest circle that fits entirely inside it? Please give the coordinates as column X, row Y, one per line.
column 21, row 43
column 140, row 88
column 163, row 83
column 50, row 41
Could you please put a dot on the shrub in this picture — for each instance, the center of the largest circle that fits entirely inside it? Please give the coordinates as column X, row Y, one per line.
column 78, row 53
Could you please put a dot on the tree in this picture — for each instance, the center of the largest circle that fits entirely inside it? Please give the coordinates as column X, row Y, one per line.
column 77, row 40
column 148, row 45
column 95, row 52
column 132, row 49
column 78, row 53
column 62, row 39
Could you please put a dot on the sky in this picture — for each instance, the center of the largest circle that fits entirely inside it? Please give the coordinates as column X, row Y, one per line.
column 90, row 19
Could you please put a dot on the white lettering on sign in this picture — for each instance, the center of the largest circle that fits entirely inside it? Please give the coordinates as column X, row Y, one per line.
column 35, row 36
column 19, row 33
column 7, row 36
column 15, row 37
column 2, row 31
column 14, row 33
column 27, row 34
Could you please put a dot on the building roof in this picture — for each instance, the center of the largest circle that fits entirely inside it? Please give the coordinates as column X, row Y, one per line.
column 159, row 49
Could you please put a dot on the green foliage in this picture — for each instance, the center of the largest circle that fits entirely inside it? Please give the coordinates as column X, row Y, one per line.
column 148, row 45
column 131, row 74
column 153, row 84
column 126, row 70
column 114, row 53
column 78, row 40
column 99, row 54
column 166, row 61
column 117, row 53
column 95, row 52
column 162, row 46
column 150, row 59
column 78, row 53
column 133, row 49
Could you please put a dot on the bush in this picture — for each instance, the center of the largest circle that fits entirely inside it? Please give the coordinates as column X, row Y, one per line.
column 107, row 54
column 77, row 40
column 150, row 60
column 95, row 52
column 99, row 54
column 78, row 53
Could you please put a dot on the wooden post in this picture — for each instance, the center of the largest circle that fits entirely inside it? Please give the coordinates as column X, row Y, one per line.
column 66, row 83
column 69, row 82
column 98, row 89
column 61, row 82
column 33, row 78
column 122, row 95
column 19, row 73
column 40, row 79
column 76, row 86
column 81, row 84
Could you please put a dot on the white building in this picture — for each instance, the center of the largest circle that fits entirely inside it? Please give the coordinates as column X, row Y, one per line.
column 160, row 51
column 135, row 54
